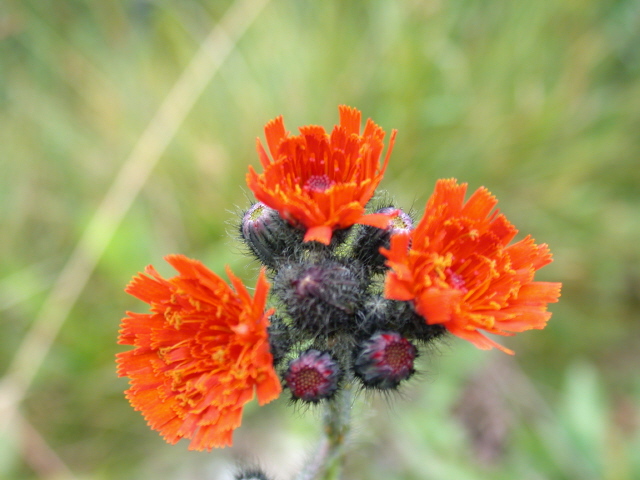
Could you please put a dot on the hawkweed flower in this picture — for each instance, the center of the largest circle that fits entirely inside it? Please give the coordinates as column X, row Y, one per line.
column 458, row 269
column 321, row 182
column 200, row 355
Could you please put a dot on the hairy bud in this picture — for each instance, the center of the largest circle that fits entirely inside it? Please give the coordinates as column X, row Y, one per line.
column 385, row 360
column 321, row 298
column 313, row 376
column 269, row 238
column 251, row 474
column 280, row 341
column 370, row 239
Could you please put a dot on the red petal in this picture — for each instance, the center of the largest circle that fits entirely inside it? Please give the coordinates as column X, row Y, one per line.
column 379, row 220
column 350, row 119
column 320, row 234
column 274, row 132
column 395, row 289
column 437, row 305
column 478, row 339
column 262, row 155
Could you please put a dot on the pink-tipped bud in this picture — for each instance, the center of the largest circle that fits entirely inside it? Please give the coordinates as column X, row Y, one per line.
column 320, row 297
column 267, row 235
column 257, row 219
column 313, row 376
column 384, row 360
column 400, row 223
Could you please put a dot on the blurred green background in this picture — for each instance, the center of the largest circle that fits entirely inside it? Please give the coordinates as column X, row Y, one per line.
column 538, row 101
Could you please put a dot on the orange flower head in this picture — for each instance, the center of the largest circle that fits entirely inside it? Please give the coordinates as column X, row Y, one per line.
column 322, row 182
column 459, row 270
column 199, row 355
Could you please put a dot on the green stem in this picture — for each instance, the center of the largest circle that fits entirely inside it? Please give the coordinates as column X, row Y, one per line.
column 327, row 462
column 337, row 417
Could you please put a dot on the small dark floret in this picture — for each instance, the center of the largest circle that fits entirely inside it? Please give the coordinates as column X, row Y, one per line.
column 385, row 360
column 313, row 376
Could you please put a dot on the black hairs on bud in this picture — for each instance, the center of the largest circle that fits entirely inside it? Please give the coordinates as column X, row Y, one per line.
column 321, row 297
column 269, row 238
column 280, row 340
column 251, row 474
column 379, row 313
column 313, row 376
column 384, row 360
column 368, row 239
column 415, row 326
column 339, row 236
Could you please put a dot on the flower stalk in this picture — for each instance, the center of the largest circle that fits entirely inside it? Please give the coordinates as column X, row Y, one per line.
column 328, row 461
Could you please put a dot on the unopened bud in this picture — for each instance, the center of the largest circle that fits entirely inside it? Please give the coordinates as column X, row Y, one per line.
column 251, row 474
column 313, row 376
column 280, row 341
column 267, row 235
column 321, row 298
column 370, row 239
column 384, row 360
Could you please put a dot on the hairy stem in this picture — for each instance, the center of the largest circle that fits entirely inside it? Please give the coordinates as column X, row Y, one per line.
column 327, row 461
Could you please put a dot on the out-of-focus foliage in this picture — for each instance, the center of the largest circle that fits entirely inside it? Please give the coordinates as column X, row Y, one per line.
column 538, row 101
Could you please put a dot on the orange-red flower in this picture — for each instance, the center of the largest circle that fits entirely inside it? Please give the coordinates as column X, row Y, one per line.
column 321, row 182
column 200, row 354
column 459, row 270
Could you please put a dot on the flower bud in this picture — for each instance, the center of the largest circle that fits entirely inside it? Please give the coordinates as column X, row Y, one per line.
column 384, row 360
column 267, row 235
column 313, row 376
column 322, row 297
column 370, row 239
column 381, row 314
column 251, row 474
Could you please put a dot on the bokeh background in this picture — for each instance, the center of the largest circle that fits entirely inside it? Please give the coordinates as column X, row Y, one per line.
column 120, row 143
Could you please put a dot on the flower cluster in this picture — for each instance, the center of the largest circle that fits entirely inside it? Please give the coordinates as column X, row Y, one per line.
column 357, row 288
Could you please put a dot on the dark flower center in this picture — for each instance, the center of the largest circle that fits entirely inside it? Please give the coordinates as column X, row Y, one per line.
column 385, row 360
column 312, row 376
column 308, row 382
column 399, row 356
